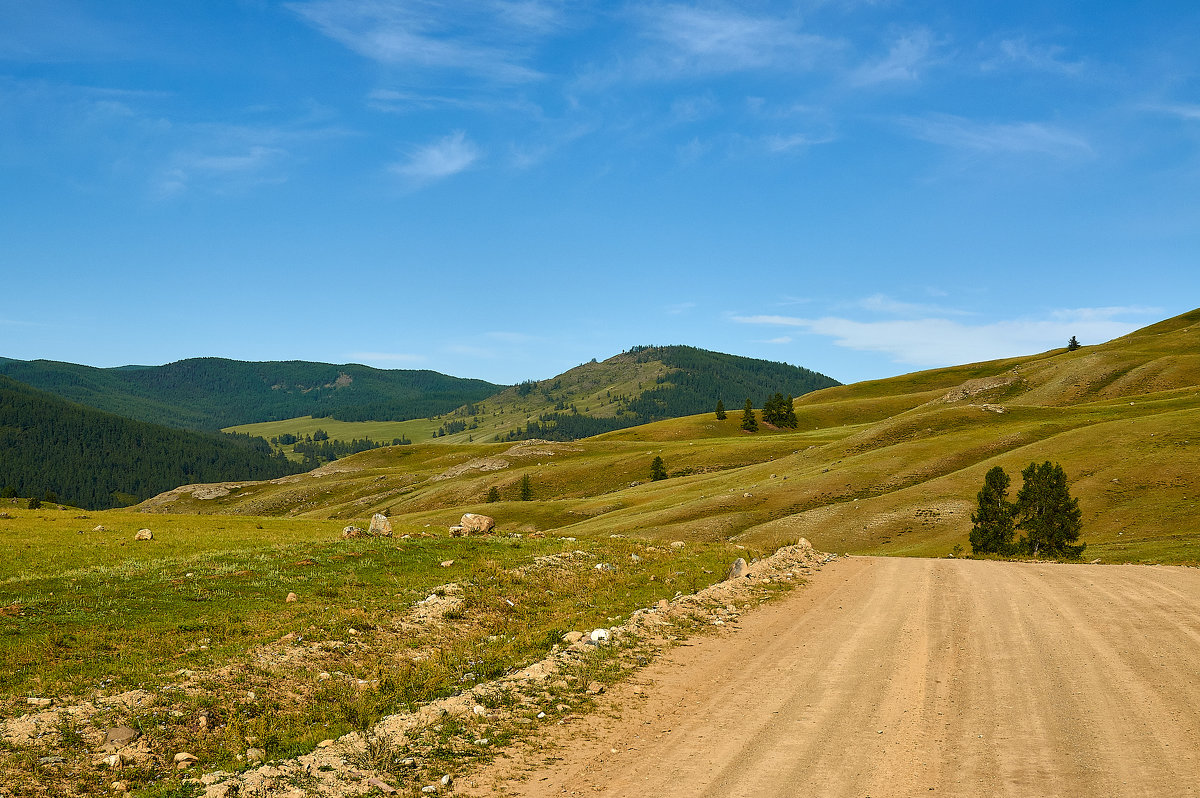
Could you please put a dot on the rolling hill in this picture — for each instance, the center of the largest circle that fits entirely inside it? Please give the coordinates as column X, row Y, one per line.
column 211, row 393
column 636, row 387
column 92, row 459
column 887, row 467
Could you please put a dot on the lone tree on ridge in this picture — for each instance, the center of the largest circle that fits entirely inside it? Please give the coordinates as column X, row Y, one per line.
column 720, row 410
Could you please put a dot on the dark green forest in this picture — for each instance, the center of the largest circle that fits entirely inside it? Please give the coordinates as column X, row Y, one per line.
column 212, row 393
column 96, row 460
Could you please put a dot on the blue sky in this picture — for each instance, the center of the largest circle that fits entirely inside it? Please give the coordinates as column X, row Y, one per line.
column 506, row 188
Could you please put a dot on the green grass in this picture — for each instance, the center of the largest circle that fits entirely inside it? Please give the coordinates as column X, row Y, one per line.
column 97, row 613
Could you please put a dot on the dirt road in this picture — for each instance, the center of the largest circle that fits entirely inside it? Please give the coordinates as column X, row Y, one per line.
column 904, row 677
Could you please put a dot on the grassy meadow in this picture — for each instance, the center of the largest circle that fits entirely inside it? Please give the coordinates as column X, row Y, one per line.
column 197, row 617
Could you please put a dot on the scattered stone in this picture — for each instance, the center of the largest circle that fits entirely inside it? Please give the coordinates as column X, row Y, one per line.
column 447, row 563
column 738, row 569
column 325, row 744
column 636, row 559
column 118, row 737
column 595, row 688
column 480, row 710
column 605, row 567
column 51, row 760
column 572, row 637
column 382, row 786
column 291, row 598
column 599, row 636
column 473, row 523
column 430, row 789
column 747, row 495
column 353, row 531
column 323, row 676
column 120, row 786
column 112, row 761
column 184, row 760
column 380, row 526
column 455, row 531
column 541, row 716
column 99, row 528
column 255, row 755
column 677, row 544
column 1095, row 561
column 144, row 534
column 447, row 780
column 39, row 702
column 5, row 515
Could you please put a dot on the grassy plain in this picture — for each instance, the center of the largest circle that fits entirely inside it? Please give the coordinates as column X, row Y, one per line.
column 197, row 618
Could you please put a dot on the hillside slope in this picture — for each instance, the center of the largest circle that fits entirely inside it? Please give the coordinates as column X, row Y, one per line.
column 95, row 460
column 636, row 387
column 889, row 466
column 211, row 393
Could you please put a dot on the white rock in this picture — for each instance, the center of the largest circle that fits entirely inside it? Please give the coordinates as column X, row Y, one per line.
column 144, row 534
column 473, row 523
column 380, row 526
column 598, row 636
column 291, row 598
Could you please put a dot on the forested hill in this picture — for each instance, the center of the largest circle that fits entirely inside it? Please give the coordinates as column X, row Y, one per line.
column 212, row 393
column 644, row 384
column 92, row 459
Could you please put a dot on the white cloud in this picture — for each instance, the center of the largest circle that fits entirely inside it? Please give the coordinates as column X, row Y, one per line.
column 681, row 307
column 1020, row 52
column 906, row 57
column 931, row 342
column 1004, row 137
column 447, row 156
column 488, row 40
column 689, row 41
column 881, row 303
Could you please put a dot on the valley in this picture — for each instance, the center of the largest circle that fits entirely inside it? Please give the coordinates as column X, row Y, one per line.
column 192, row 639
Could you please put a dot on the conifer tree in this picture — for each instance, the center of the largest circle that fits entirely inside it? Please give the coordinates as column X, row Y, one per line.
column 1046, row 513
column 749, row 422
column 658, row 470
column 1073, row 344
column 992, row 530
column 720, row 410
column 526, row 489
column 493, row 494
column 789, row 414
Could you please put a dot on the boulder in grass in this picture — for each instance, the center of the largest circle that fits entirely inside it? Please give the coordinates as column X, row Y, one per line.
column 380, row 526
column 738, row 569
column 353, row 531
column 474, row 524
column 144, row 534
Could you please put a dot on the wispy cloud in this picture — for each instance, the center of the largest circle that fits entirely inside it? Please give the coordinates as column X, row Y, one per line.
column 906, row 57
column 1184, row 111
column 928, row 342
column 680, row 307
column 447, row 156
column 1022, row 53
column 688, row 40
column 882, row 303
column 998, row 137
column 490, row 40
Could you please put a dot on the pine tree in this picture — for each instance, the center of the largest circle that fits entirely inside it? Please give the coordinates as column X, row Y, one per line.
column 993, row 521
column 1046, row 513
column 789, row 414
column 526, row 489
column 1073, row 344
column 493, row 494
column 720, row 410
column 658, row 470
column 749, row 423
